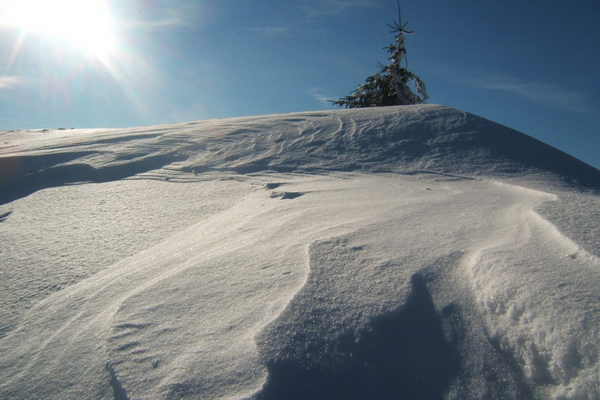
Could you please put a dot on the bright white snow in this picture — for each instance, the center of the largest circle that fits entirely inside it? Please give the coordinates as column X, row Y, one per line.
column 405, row 252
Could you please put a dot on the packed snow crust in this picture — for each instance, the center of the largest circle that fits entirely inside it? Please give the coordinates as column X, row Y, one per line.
column 415, row 252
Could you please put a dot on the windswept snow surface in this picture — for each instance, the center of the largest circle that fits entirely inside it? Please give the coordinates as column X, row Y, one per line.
column 414, row 252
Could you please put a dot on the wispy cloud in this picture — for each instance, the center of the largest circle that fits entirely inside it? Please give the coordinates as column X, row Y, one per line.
column 541, row 93
column 333, row 7
column 163, row 15
column 271, row 31
column 548, row 95
column 316, row 94
column 158, row 23
column 310, row 11
column 9, row 82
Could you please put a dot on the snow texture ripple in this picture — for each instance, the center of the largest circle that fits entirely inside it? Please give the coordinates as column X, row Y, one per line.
column 402, row 252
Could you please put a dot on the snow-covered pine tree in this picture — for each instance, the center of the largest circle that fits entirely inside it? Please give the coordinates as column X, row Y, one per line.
column 389, row 87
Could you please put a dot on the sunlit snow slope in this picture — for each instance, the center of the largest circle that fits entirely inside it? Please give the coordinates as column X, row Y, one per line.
column 414, row 252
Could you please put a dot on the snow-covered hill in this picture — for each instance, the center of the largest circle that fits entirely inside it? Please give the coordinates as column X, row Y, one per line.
column 405, row 252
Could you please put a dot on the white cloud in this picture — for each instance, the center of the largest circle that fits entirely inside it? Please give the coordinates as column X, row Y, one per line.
column 8, row 82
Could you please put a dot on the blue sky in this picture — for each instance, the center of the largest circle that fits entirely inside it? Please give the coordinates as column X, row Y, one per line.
column 531, row 65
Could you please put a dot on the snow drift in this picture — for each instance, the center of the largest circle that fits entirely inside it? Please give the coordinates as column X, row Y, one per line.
column 413, row 252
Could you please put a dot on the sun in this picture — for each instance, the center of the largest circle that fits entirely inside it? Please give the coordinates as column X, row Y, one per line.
column 86, row 25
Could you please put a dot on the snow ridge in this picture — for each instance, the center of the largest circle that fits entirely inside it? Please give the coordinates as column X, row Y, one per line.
column 407, row 139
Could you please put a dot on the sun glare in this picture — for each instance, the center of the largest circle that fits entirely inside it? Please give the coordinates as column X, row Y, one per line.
column 84, row 24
